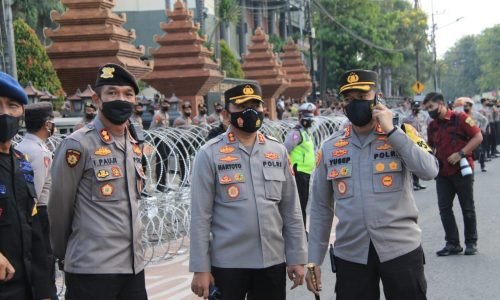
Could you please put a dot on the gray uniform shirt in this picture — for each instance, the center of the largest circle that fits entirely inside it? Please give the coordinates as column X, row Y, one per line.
column 40, row 158
column 94, row 203
column 245, row 211
column 371, row 186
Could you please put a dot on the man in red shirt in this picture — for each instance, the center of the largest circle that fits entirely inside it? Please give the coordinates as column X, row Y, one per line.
column 453, row 135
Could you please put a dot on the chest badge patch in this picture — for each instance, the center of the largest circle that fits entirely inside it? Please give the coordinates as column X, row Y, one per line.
column 233, row 191
column 380, row 167
column 228, row 158
column 72, row 157
column 338, row 153
column 102, row 174
column 341, row 143
column 225, row 179
column 272, row 155
column 341, row 187
column 103, row 151
column 239, row 177
column 393, row 166
column 387, row 181
column 384, row 147
column 226, row 149
column 107, row 190
column 137, row 150
column 333, row 174
column 344, row 171
column 116, row 171
column 105, row 136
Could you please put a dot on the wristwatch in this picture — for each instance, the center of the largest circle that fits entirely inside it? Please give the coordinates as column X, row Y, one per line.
column 462, row 153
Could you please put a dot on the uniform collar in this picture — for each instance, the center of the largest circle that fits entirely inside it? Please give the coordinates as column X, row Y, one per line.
column 33, row 137
column 448, row 114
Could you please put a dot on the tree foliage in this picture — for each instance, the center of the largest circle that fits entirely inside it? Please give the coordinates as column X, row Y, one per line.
column 488, row 51
column 36, row 13
column 33, row 63
column 389, row 24
column 229, row 63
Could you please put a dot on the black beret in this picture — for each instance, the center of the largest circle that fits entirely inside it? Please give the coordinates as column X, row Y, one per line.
column 40, row 111
column 113, row 74
column 415, row 104
column 243, row 93
column 10, row 88
column 358, row 80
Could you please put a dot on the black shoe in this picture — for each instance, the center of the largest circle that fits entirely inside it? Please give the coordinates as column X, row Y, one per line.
column 487, row 159
column 422, row 187
column 416, row 188
column 470, row 249
column 483, row 170
column 450, row 250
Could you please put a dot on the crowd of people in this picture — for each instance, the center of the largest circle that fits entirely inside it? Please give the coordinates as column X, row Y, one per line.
column 249, row 192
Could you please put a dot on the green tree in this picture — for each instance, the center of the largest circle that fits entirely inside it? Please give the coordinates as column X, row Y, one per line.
column 229, row 63
column 33, row 63
column 488, row 51
column 277, row 43
column 460, row 69
column 36, row 13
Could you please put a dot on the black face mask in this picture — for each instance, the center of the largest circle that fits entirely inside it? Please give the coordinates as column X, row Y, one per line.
column 203, row 112
column 359, row 112
column 117, row 111
column 187, row 114
column 90, row 116
column 434, row 114
column 165, row 108
column 248, row 120
column 10, row 126
column 416, row 111
column 139, row 113
column 467, row 110
column 307, row 122
column 218, row 110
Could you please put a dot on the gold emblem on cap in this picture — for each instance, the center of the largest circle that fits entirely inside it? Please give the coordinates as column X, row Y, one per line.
column 107, row 72
column 247, row 90
column 353, row 77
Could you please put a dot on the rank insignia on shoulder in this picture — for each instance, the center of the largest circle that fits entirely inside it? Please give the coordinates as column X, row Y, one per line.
column 233, row 191
column 116, row 171
column 319, row 157
column 102, row 151
column 226, row 149
column 228, row 158
column 341, row 143
column 225, row 179
column 341, row 187
column 387, row 180
column 261, row 138
column 72, row 157
column 107, row 190
column 105, row 136
column 347, row 131
column 137, row 150
column 102, row 173
column 338, row 153
column 378, row 129
column 230, row 137
column 384, row 147
column 272, row 155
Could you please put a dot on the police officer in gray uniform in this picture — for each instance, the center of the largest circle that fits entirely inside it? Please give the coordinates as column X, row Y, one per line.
column 246, row 224
column 366, row 172
column 94, row 204
column 39, row 120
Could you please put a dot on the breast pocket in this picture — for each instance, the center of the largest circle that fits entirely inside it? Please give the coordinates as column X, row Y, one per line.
column 342, row 182
column 232, row 186
column 105, row 183
column 387, row 175
column 273, row 184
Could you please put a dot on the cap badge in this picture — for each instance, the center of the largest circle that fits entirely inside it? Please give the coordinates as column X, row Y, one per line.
column 107, row 72
column 248, row 90
column 353, row 77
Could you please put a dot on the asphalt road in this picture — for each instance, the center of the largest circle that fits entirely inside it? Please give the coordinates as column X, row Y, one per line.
column 454, row 277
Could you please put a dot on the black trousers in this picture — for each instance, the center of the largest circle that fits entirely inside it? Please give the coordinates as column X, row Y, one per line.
column 302, row 180
column 447, row 187
column 106, row 286
column 402, row 277
column 44, row 223
column 161, row 167
column 492, row 139
column 416, row 180
column 256, row 284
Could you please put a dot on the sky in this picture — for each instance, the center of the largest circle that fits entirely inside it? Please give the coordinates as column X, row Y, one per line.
column 477, row 16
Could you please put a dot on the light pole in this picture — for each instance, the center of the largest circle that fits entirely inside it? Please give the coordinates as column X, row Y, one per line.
column 9, row 51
